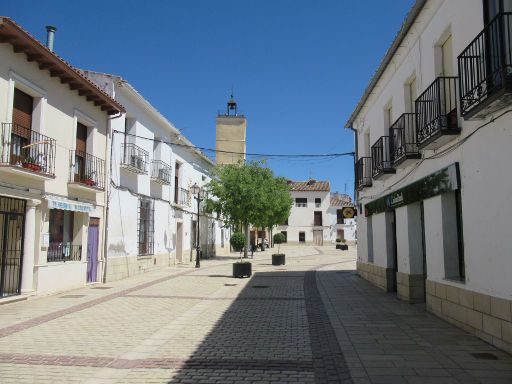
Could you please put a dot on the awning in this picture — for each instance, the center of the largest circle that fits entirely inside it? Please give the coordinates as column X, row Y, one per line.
column 57, row 202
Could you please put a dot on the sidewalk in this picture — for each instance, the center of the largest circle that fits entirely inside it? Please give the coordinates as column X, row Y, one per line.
column 310, row 321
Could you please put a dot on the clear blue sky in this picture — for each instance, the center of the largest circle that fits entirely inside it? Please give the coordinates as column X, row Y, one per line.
column 298, row 68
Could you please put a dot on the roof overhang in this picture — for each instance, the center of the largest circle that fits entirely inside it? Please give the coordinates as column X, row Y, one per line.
column 23, row 42
column 406, row 26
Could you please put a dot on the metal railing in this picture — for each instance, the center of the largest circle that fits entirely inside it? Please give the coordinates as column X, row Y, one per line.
column 26, row 148
column 403, row 138
column 485, row 65
column 301, row 205
column 363, row 172
column 86, row 169
column 134, row 157
column 64, row 252
column 184, row 197
column 381, row 159
column 436, row 109
column 161, row 171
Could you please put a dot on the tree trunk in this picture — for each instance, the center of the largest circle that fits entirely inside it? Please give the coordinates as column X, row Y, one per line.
column 247, row 240
column 271, row 241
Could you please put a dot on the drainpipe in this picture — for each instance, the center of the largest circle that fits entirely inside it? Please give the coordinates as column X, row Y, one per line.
column 50, row 36
column 356, row 197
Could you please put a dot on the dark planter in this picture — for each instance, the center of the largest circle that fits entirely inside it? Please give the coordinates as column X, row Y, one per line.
column 242, row 269
column 344, row 247
column 338, row 246
column 278, row 259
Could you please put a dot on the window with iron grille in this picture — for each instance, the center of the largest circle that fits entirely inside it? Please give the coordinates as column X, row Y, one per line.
column 146, row 226
column 301, row 202
column 339, row 217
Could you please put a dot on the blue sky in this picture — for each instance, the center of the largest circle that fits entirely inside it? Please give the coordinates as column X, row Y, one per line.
column 298, row 68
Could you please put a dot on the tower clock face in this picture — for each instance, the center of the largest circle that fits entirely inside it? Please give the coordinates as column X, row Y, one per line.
column 348, row 213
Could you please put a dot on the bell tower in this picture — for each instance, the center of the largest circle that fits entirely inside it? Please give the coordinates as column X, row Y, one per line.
column 230, row 135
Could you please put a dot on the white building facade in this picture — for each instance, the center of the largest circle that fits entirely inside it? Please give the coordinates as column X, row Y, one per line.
column 341, row 218
column 308, row 222
column 53, row 149
column 433, row 137
column 152, row 213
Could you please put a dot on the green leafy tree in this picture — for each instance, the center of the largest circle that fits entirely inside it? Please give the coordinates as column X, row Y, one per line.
column 237, row 241
column 248, row 194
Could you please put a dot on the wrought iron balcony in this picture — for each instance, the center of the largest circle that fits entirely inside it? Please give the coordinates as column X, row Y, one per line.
column 403, row 147
column 485, row 69
column 363, row 172
column 135, row 158
column 64, row 252
column 87, row 170
column 161, row 172
column 27, row 149
column 436, row 119
column 381, row 158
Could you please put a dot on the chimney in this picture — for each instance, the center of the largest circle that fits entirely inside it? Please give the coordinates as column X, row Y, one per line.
column 50, row 36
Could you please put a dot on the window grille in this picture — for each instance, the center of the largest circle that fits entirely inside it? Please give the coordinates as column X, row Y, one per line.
column 146, row 226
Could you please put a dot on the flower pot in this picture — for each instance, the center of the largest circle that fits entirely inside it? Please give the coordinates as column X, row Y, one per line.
column 242, row 269
column 344, row 247
column 278, row 259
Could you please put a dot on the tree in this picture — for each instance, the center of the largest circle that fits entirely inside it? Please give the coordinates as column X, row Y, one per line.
column 246, row 194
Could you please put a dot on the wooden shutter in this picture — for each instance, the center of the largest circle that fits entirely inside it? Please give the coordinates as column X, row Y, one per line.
column 81, row 137
column 22, row 113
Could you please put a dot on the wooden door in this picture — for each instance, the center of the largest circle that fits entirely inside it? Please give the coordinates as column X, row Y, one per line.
column 23, row 106
column 81, row 150
column 318, row 237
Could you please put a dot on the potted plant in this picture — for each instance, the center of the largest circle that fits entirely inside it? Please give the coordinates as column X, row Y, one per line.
column 338, row 244
column 278, row 258
column 89, row 180
column 344, row 246
column 30, row 163
column 241, row 268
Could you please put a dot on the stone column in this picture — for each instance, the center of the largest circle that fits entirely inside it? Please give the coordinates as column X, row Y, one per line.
column 27, row 273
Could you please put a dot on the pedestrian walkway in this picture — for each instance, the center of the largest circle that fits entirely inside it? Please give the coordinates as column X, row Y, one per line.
column 310, row 321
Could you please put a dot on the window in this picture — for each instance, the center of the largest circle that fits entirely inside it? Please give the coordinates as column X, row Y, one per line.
column 302, row 237
column 369, row 237
column 301, row 202
column 61, row 246
column 146, row 226
column 318, row 202
column 285, row 234
column 339, row 217
column 193, row 234
column 176, row 182
column 318, row 218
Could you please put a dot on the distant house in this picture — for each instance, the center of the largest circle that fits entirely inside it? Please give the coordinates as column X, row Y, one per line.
column 308, row 221
column 341, row 214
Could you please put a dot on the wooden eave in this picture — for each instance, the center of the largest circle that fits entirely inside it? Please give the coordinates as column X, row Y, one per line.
column 23, row 42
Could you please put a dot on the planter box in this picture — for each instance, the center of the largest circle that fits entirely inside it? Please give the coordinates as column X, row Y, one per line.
column 278, row 259
column 343, row 247
column 242, row 269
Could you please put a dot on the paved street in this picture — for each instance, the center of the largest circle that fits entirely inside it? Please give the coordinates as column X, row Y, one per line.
column 311, row 321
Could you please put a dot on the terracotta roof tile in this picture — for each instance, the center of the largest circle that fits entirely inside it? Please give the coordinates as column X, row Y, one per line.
column 309, row 186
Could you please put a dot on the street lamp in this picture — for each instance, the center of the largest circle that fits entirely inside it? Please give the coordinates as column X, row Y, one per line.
column 198, row 195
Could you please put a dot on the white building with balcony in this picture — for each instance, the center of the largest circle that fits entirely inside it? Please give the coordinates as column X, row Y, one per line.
column 152, row 214
column 341, row 218
column 53, row 149
column 433, row 136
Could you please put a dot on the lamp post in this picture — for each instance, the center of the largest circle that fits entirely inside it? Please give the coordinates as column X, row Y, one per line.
column 198, row 195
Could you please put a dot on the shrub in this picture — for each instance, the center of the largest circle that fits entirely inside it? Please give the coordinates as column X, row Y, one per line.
column 237, row 241
column 338, row 240
column 278, row 239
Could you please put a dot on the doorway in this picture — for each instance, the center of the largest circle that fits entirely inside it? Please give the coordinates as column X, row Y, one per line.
column 92, row 249
column 318, row 237
column 395, row 253
column 12, row 227
column 424, row 251
column 179, row 242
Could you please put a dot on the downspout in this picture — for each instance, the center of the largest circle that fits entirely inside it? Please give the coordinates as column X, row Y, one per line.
column 106, row 204
column 355, row 155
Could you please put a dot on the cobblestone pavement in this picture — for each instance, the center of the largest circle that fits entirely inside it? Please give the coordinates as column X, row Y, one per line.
column 310, row 321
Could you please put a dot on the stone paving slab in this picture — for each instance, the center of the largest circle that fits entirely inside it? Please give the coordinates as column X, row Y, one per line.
column 309, row 321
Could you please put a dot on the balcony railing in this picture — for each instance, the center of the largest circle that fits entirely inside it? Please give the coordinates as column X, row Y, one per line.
column 64, row 252
column 363, row 172
column 436, row 109
column 184, row 197
column 485, row 69
column 381, row 158
column 135, row 158
column 403, row 139
column 87, row 169
column 28, row 149
column 161, row 172
column 301, row 205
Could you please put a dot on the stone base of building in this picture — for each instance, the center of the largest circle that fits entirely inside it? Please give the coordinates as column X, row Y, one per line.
column 487, row 317
column 121, row 267
column 380, row 276
column 410, row 288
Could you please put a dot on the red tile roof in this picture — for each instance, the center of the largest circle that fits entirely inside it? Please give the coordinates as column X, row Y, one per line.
column 309, row 186
column 24, row 42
